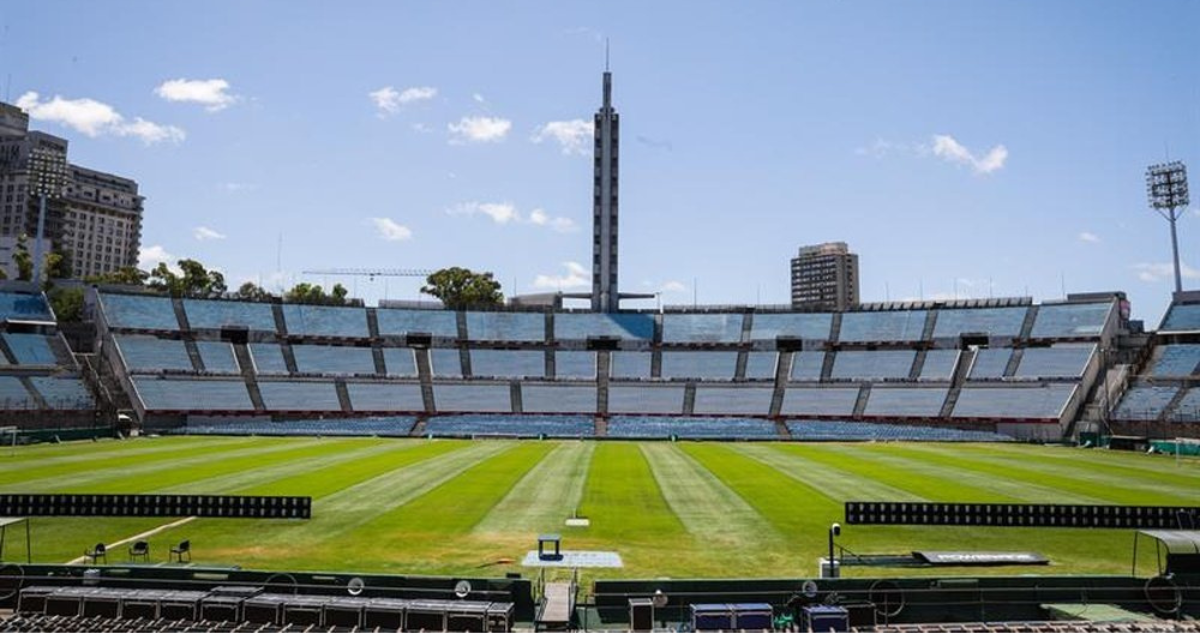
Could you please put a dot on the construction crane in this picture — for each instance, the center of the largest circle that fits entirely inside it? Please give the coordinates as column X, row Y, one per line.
column 372, row 273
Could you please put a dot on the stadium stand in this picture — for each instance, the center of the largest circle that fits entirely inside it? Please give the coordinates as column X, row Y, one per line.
column 1145, row 401
column 851, row 431
column 1176, row 360
column 921, row 361
column 640, row 427
column 14, row 395
column 520, row 426
column 394, row 426
column 1181, row 318
column 18, row 306
column 31, row 349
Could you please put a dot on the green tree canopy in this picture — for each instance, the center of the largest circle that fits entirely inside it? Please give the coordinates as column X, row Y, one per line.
column 315, row 295
column 194, row 280
column 460, row 288
column 127, row 276
column 251, row 291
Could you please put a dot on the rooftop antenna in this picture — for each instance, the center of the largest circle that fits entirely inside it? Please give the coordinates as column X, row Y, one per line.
column 606, row 54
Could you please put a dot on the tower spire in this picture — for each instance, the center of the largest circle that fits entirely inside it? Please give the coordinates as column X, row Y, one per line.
column 605, row 296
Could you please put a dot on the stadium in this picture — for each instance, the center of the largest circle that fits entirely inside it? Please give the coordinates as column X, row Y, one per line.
column 197, row 464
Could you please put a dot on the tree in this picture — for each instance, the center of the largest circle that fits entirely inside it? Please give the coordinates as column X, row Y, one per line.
column 251, row 291
column 23, row 259
column 460, row 288
column 67, row 303
column 56, row 263
column 315, row 295
column 195, row 280
column 127, row 276
column 59, row 265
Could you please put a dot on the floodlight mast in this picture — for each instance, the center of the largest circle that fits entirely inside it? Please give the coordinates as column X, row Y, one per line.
column 1167, row 191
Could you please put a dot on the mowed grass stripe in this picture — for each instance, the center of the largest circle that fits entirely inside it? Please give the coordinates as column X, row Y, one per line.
column 39, row 456
column 135, row 474
column 28, row 473
column 836, row 483
column 1090, row 477
column 622, row 499
column 962, row 476
column 710, row 510
column 546, row 496
column 1163, row 468
column 1095, row 483
column 317, row 459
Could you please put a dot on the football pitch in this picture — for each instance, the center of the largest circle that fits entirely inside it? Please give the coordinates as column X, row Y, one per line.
column 680, row 510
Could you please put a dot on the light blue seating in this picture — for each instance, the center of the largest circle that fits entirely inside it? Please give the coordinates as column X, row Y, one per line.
column 299, row 396
column 14, row 395
column 733, row 400
column 702, row 328
column 1181, row 318
column 31, row 349
column 24, row 307
column 761, row 365
column 807, row 365
column 1144, row 401
column 906, row 402
column 575, row 364
column 385, row 396
column 395, row 426
column 1189, row 407
column 451, row 398
column 150, row 354
column 849, row 431
column 690, row 428
column 1176, row 360
column 578, row 326
column 506, row 326
column 325, row 321
column 507, row 363
column 510, row 425
column 1035, row 402
column 703, row 365
column 64, row 393
column 139, row 312
column 819, row 401
column 1070, row 320
column 205, row 314
column 400, row 361
column 268, row 358
column 541, row 398
column 991, row 321
column 1059, row 361
column 446, row 363
column 770, row 326
column 939, row 364
column 899, row 325
column 182, row 394
column 333, row 360
column 396, row 322
column 990, row 363
column 218, row 357
column 630, row 364
column 872, row 365
column 645, row 399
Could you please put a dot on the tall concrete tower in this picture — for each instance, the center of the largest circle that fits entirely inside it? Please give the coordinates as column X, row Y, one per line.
column 604, row 205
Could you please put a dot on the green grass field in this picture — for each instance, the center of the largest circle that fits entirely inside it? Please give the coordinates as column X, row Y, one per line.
column 677, row 510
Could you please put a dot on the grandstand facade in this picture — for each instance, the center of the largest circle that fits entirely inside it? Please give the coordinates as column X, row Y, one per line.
column 1011, row 366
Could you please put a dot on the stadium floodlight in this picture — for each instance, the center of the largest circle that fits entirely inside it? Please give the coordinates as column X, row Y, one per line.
column 46, row 179
column 1167, row 190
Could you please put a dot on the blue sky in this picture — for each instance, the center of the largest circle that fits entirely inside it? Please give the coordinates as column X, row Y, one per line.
column 962, row 148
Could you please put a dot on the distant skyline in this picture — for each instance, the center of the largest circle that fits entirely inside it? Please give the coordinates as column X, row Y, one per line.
column 993, row 148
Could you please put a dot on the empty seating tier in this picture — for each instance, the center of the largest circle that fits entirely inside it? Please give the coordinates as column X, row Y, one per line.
column 506, row 326
column 508, row 363
column 24, row 307
column 135, row 312
column 518, row 426
column 845, row 430
column 702, row 365
column 1144, row 401
column 14, row 395
column 439, row 323
column 667, row 399
column 31, row 349
column 876, row 365
column 547, row 398
column 771, row 326
column 64, row 393
column 820, row 401
column 902, row 325
column 1071, row 320
column 1043, row 402
column 216, row 315
column 450, row 398
column 325, row 321
column 181, row 394
column 988, row 321
column 147, row 354
column 573, row 326
column 385, row 397
column 682, row 427
column 1181, row 318
column 299, row 396
column 1059, row 361
column 905, row 402
column 733, row 400
column 328, row 359
column 939, row 364
column 807, row 365
column 702, row 328
column 1176, row 360
column 761, row 365
column 581, row 365
column 349, row 427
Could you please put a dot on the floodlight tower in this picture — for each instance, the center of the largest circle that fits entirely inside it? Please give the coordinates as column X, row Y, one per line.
column 48, row 173
column 1167, row 190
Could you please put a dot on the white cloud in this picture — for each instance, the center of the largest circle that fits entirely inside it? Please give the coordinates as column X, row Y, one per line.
column 573, row 137
column 94, row 118
column 479, row 98
column 391, row 230
column 950, row 150
column 558, row 224
column 1155, row 272
column 879, row 149
column 236, row 187
column 151, row 256
column 479, row 129
column 577, row 276
column 499, row 212
column 672, row 286
column 204, row 233
column 389, row 100
column 507, row 213
column 211, row 93
column 1088, row 236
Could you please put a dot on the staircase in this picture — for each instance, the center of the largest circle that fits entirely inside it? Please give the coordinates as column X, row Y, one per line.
column 246, row 363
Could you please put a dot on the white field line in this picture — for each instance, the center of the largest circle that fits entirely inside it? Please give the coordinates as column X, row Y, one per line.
column 546, row 496
column 709, row 509
column 136, row 537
